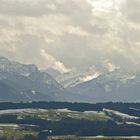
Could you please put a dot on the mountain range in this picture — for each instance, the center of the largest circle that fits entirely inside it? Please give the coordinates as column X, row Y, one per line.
column 20, row 82
column 118, row 85
column 112, row 86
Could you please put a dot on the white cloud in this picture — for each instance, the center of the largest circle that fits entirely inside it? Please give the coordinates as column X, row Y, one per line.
column 110, row 67
column 51, row 62
column 76, row 33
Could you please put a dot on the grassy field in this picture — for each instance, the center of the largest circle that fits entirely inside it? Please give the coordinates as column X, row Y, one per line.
column 25, row 132
column 16, row 132
column 35, row 123
column 56, row 114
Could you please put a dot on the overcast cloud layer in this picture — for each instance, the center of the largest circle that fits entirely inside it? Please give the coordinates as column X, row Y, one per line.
column 72, row 34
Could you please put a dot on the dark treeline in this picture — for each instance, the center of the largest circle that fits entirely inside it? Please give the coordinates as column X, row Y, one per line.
column 128, row 108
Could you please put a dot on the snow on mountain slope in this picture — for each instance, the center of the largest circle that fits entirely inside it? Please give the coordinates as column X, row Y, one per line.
column 74, row 78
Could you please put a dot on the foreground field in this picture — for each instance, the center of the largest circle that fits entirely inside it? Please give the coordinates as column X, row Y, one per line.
column 69, row 121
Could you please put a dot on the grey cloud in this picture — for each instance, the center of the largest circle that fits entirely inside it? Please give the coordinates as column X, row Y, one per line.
column 131, row 10
column 26, row 8
column 70, row 33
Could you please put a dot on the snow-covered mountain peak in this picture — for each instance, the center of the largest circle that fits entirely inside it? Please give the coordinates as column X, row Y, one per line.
column 89, row 77
column 14, row 67
column 74, row 78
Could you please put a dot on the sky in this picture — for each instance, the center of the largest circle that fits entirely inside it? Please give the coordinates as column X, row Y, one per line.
column 72, row 34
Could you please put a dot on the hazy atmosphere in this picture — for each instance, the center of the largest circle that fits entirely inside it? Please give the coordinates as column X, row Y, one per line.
column 72, row 34
column 69, row 69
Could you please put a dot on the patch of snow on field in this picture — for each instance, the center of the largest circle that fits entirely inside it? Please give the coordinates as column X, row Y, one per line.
column 9, row 125
column 65, row 110
column 90, row 111
column 94, row 112
column 12, row 111
column 136, row 109
column 33, row 92
column 123, row 115
column 133, row 123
